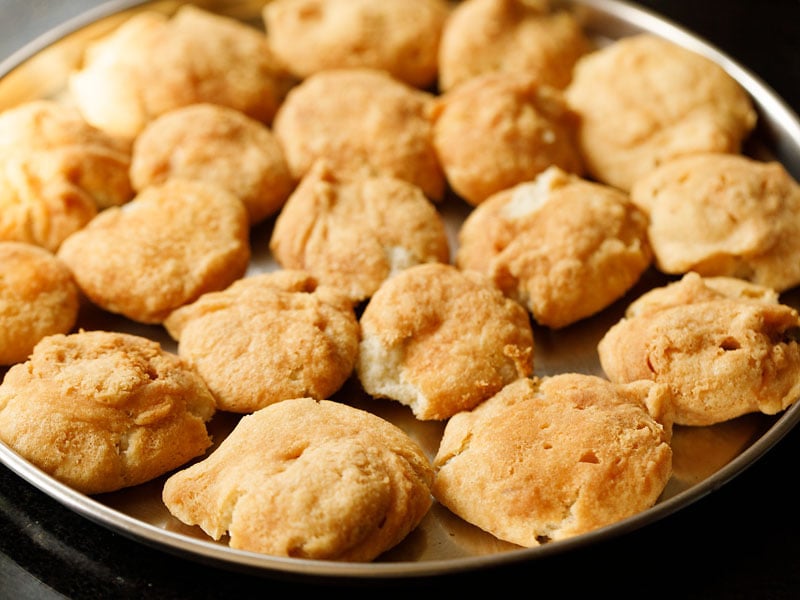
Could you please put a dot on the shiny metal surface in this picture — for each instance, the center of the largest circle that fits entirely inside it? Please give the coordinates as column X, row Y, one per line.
column 705, row 458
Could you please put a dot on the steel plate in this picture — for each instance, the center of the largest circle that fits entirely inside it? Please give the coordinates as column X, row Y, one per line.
column 705, row 458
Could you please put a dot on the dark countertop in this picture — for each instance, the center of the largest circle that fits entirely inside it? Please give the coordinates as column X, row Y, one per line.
column 740, row 541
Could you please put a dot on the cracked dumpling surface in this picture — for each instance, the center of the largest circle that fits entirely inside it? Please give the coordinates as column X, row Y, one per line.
column 354, row 235
column 723, row 354
column 564, row 247
column 268, row 337
column 101, row 411
column 644, row 100
column 307, row 479
column 547, row 459
column 56, row 172
column 441, row 340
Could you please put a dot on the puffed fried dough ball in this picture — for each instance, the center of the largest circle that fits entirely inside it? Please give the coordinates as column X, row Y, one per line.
column 481, row 36
column 549, row 459
column 501, row 129
column 644, row 100
column 38, row 297
column 564, row 247
column 308, row 479
column 169, row 245
column 397, row 36
column 217, row 144
column 440, row 341
column 268, row 337
column 56, row 172
column 724, row 214
column 721, row 358
column 354, row 235
column 363, row 122
column 101, row 411
column 154, row 63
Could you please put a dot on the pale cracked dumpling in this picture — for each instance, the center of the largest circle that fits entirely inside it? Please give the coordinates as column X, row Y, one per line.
column 548, row 459
column 564, row 247
column 56, row 172
column 306, row 478
column 724, row 214
column 353, row 235
column 154, row 62
column 101, row 411
column 440, row 341
column 723, row 350
column 268, row 337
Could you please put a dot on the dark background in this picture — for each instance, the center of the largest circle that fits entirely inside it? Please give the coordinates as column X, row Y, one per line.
column 740, row 541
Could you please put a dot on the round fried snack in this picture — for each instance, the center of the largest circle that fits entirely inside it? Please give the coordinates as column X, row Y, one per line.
column 364, row 123
column 397, row 36
column 166, row 247
column 721, row 357
column 562, row 246
column 268, row 337
column 644, row 100
column 101, row 411
column 354, row 235
column 217, row 144
column 440, row 341
column 512, row 36
column 56, row 172
column 548, row 459
column 501, row 129
column 154, row 63
column 724, row 214
column 38, row 297
column 307, row 479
